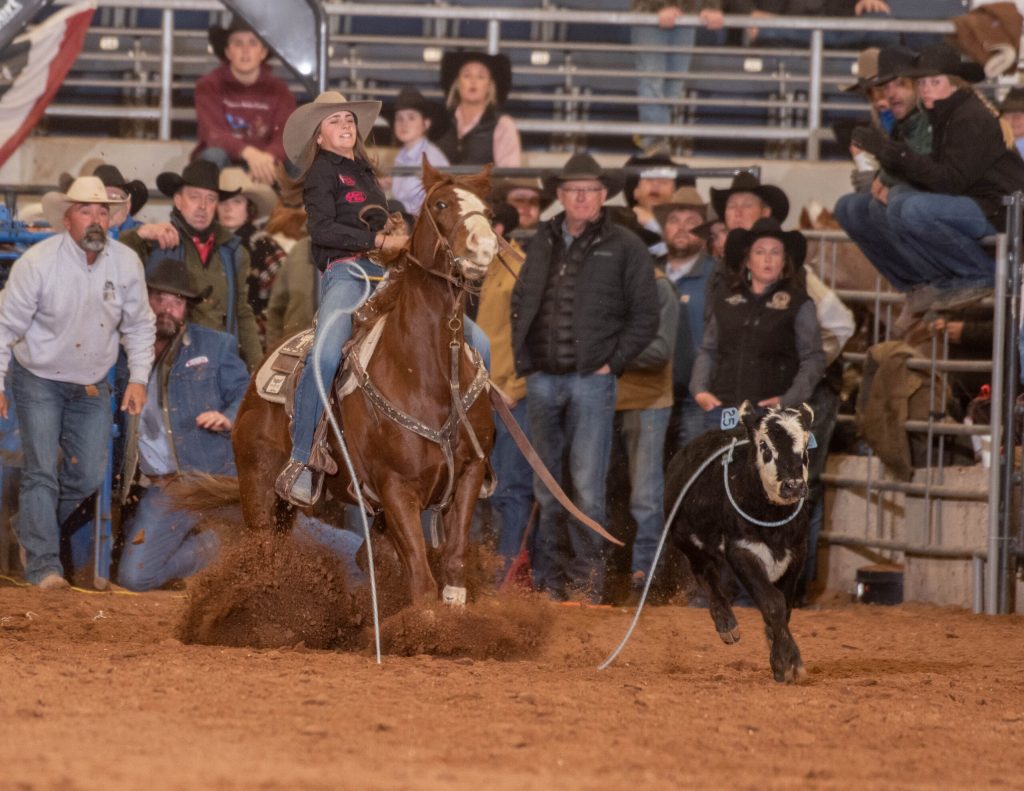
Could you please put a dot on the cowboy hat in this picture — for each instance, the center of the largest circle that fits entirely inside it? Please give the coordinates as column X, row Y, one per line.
column 137, row 192
column 652, row 166
column 304, row 121
column 218, row 36
column 412, row 99
column 202, row 174
column 88, row 169
column 171, row 276
column 865, row 69
column 747, row 182
column 686, row 197
column 237, row 182
column 582, row 167
column 507, row 186
column 84, row 189
column 943, row 59
column 739, row 242
column 1013, row 102
column 893, row 62
column 499, row 66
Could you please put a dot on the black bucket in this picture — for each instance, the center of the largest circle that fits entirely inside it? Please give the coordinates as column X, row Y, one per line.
column 880, row 584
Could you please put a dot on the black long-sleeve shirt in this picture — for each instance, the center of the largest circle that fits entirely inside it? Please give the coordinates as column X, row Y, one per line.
column 336, row 190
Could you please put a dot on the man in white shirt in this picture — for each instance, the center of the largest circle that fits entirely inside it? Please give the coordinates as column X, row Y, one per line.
column 69, row 301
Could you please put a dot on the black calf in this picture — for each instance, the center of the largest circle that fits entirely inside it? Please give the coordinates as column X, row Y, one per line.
column 767, row 479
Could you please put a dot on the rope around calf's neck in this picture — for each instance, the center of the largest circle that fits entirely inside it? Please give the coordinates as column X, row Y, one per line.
column 727, row 449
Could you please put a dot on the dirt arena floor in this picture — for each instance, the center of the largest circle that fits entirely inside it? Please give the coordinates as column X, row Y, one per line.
column 98, row 691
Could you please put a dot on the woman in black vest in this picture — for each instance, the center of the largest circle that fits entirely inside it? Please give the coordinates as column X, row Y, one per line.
column 476, row 85
column 761, row 341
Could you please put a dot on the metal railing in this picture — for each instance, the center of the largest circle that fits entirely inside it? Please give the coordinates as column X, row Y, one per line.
column 794, row 93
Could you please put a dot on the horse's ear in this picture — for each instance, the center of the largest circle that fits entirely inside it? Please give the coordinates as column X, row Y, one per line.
column 431, row 175
column 480, row 183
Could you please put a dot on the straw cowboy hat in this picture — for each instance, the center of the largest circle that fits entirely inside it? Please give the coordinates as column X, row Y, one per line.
column 218, row 36
column 499, row 66
column 305, row 120
column 583, row 167
column 201, row 174
column 739, row 242
column 237, row 182
column 866, row 70
column 137, row 192
column 745, row 181
column 943, row 59
column 171, row 276
column 84, row 189
column 685, row 197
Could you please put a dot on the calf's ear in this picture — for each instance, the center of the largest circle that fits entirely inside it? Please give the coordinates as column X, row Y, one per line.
column 749, row 417
column 806, row 416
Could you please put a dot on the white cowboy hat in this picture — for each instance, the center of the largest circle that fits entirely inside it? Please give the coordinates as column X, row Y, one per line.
column 304, row 121
column 84, row 189
column 236, row 179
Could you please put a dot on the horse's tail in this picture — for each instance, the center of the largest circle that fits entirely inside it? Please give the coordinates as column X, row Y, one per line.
column 203, row 493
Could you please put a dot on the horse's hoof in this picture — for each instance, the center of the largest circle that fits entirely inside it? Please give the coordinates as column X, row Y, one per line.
column 453, row 597
column 730, row 636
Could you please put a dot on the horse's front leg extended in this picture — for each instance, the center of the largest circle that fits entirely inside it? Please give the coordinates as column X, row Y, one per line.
column 456, row 533
column 402, row 521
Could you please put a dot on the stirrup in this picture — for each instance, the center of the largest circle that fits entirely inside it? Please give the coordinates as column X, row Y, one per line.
column 284, row 486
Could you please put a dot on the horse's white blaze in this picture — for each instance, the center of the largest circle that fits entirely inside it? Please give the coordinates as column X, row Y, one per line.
column 481, row 241
column 772, row 567
column 452, row 596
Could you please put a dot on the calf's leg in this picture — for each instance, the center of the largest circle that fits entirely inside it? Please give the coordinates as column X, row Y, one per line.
column 706, row 569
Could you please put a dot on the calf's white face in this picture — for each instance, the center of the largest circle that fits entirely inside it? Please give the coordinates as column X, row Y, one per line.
column 780, row 449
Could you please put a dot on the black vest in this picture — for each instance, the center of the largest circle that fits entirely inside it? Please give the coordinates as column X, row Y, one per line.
column 477, row 147
column 757, row 353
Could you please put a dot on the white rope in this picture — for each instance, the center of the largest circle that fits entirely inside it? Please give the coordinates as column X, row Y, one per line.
column 668, row 525
column 345, row 454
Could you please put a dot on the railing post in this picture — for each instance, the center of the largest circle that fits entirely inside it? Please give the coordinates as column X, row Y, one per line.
column 166, row 72
column 996, row 546
column 814, row 94
column 493, row 36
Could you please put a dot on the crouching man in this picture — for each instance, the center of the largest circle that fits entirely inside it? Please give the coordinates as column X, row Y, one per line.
column 195, row 390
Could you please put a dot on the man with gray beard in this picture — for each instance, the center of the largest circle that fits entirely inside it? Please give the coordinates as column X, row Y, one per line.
column 69, row 301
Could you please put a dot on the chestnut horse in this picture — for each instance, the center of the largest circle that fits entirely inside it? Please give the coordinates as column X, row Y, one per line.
column 417, row 374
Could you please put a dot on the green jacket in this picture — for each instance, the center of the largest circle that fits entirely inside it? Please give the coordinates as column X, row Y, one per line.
column 916, row 131
column 212, row 312
column 293, row 295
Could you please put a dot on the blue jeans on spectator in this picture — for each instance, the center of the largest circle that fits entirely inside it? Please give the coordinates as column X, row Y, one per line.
column 677, row 63
column 56, row 419
column 343, row 288
column 513, row 498
column 571, row 414
column 644, row 433
column 218, row 156
column 689, row 419
column 825, row 403
column 161, row 543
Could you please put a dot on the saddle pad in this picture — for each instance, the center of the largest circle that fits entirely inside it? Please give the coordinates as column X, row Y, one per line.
column 273, row 374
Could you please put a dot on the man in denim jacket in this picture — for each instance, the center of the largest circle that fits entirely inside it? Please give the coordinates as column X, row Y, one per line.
column 196, row 387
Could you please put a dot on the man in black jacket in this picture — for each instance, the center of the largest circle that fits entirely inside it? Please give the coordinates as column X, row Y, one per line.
column 584, row 307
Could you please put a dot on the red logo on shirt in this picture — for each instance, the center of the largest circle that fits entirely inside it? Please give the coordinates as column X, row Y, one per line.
column 355, row 197
column 348, row 181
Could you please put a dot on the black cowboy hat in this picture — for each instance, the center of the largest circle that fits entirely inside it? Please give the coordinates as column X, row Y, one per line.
column 136, row 191
column 739, row 242
column 893, row 62
column 748, row 182
column 943, row 59
column 172, row 277
column 498, row 65
column 1013, row 102
column 582, row 166
column 866, row 70
column 200, row 173
column 412, row 99
column 507, row 215
column 502, row 189
column 655, row 166
column 218, row 36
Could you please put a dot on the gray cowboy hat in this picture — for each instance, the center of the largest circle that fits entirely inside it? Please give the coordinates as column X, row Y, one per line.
column 84, row 189
column 171, row 276
column 943, row 59
column 686, row 197
column 739, row 242
column 745, row 181
column 499, row 66
column 582, row 166
column 200, row 173
column 302, row 124
column 866, row 69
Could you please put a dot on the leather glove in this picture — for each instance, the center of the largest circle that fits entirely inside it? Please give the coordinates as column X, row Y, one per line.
column 870, row 139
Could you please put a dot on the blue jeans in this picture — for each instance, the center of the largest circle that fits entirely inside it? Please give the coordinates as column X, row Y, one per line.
column 644, row 432
column 513, row 498
column 677, row 63
column 571, row 414
column 218, row 156
column 161, row 544
column 343, row 288
column 56, row 419
column 689, row 419
column 343, row 543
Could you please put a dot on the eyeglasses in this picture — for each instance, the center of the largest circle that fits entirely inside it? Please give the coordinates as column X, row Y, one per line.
column 581, row 190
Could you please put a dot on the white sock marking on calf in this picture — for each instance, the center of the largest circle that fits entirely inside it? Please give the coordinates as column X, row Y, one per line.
column 772, row 567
